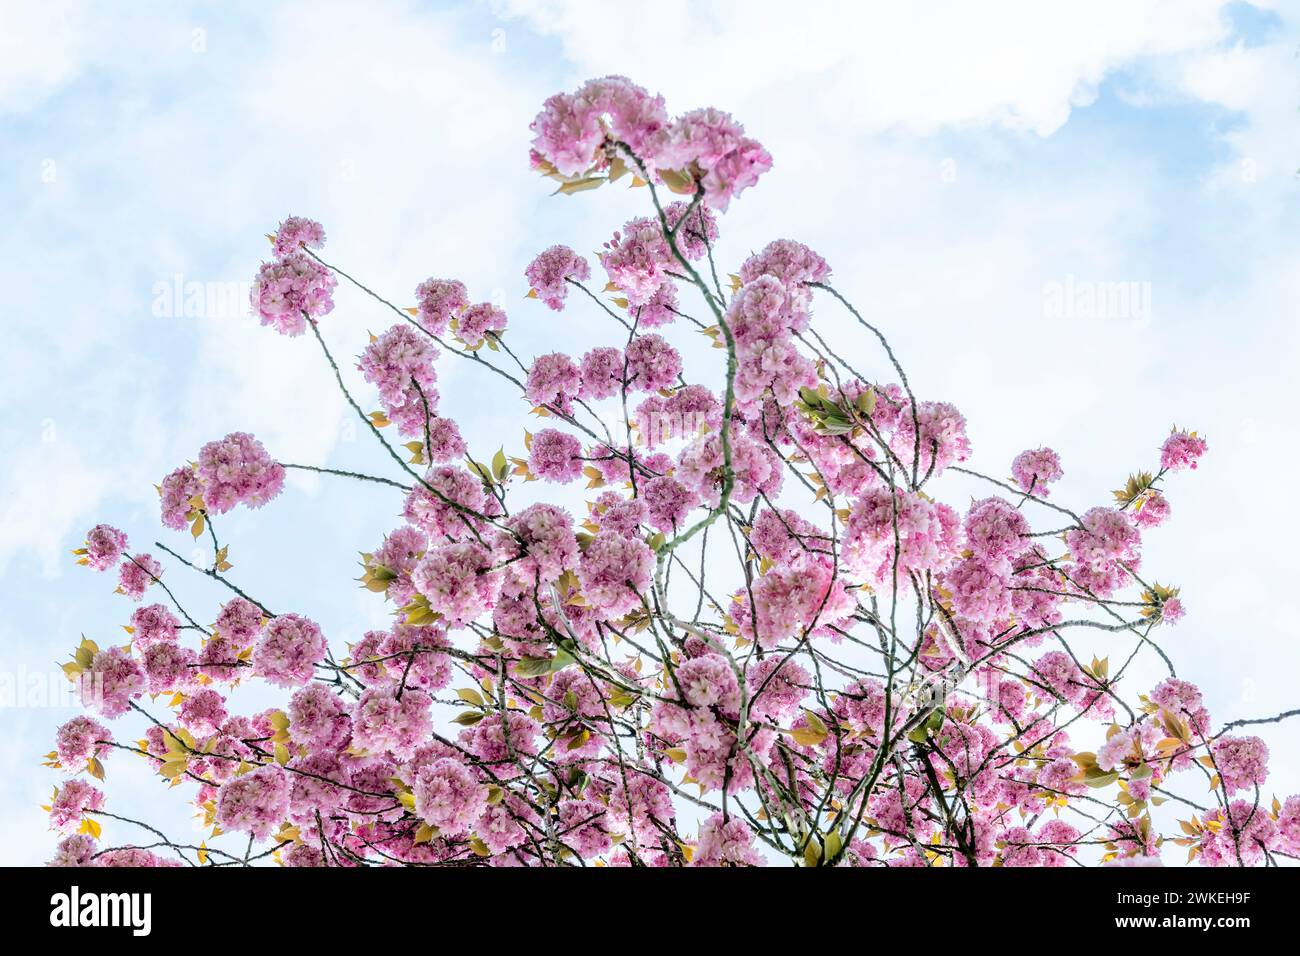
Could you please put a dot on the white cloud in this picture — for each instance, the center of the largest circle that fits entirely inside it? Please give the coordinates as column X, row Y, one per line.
column 918, row 66
column 50, row 493
column 42, row 47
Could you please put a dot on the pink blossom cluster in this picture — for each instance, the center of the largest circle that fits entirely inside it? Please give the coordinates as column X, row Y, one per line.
column 1035, row 469
column 294, row 288
column 238, row 470
column 751, row 628
column 399, row 363
column 288, row 649
column 578, row 133
column 550, row 273
column 104, row 545
column 1181, row 450
column 138, row 572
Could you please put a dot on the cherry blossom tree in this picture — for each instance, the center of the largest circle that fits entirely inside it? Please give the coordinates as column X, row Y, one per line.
column 731, row 623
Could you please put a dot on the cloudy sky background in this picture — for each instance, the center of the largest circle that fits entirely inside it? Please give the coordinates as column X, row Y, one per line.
column 954, row 163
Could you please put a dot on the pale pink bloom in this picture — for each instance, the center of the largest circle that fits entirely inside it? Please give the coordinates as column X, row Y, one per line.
column 1035, row 469
column 104, row 545
column 440, row 300
column 555, row 456
column 288, row 649
column 255, row 802
column 138, row 572
column 550, row 272
column 1181, row 450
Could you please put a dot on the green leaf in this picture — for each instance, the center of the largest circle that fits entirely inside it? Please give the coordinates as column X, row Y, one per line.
column 540, row 666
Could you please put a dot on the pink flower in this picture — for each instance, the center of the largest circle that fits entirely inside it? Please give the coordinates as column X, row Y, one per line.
column 71, row 802
column 763, row 312
column 602, row 372
column 555, row 456
column 479, row 322
column 726, row 843
column 709, row 142
column 942, row 426
column 400, row 551
column 582, row 827
column 1241, row 762
column 452, row 507
column 544, row 535
column 776, row 369
column 138, row 572
column 487, row 739
column 296, row 232
column 400, row 364
column 619, row 514
column 75, row 850
column 1035, row 469
column 1236, row 837
column 790, row 262
column 776, row 687
column 1057, row 670
column 382, row 723
column 927, row 531
column 111, row 682
column 1106, row 542
column 709, row 681
column 781, row 536
column 444, row 440
column 1151, row 509
column 1288, row 826
column 550, row 272
column 240, row 620
column 153, row 623
column 638, row 806
column 995, row 530
column 288, row 650
column 795, row 598
column 1171, row 611
column 291, row 289
column 203, row 712
column 319, row 719
column 237, row 470
column 219, row 659
column 255, row 802
column 170, row 667
column 652, row 363
column 440, row 300
column 637, row 259
column 615, row 572
column 700, row 467
column 688, row 412
column 176, row 492
column 668, row 502
column 1177, row 696
column 456, row 581
column 660, row 309
column 104, row 545
column 697, row 233
column 79, row 741
column 980, row 590
column 447, row 796
column 1181, row 450
column 572, row 128
column 553, row 380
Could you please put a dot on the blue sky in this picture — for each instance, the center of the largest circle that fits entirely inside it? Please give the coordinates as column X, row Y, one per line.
column 951, row 166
